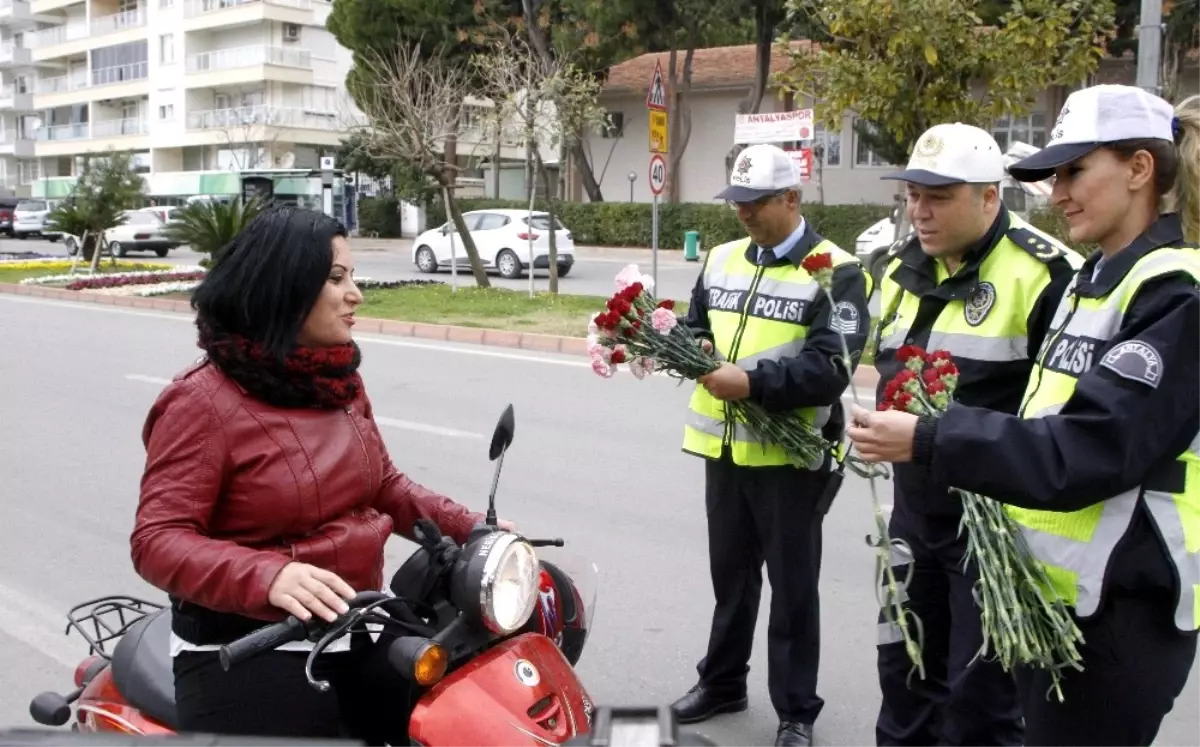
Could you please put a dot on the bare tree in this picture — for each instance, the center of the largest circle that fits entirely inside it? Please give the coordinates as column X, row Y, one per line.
column 250, row 132
column 550, row 99
column 412, row 106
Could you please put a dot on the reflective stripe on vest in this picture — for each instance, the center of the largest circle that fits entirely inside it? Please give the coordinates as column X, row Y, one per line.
column 988, row 327
column 1076, row 547
column 755, row 314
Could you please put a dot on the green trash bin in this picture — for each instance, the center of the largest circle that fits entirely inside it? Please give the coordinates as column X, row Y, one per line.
column 691, row 246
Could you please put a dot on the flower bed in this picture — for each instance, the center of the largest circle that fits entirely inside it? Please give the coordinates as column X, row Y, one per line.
column 148, row 271
column 117, row 280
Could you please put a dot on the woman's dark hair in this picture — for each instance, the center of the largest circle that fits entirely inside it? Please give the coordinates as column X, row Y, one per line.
column 1176, row 166
column 268, row 278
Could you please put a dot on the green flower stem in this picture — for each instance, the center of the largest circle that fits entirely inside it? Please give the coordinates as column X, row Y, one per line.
column 893, row 608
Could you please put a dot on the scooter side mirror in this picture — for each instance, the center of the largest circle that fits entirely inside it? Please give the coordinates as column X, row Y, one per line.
column 502, row 437
column 50, row 709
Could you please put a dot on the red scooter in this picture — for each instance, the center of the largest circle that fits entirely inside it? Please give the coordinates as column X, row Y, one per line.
column 489, row 628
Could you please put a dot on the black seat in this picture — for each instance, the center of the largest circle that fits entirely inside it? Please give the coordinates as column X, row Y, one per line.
column 142, row 669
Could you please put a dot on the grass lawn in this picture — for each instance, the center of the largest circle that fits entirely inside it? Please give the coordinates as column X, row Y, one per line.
column 17, row 275
column 494, row 308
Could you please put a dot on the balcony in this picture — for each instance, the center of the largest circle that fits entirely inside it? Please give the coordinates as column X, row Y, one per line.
column 13, row 144
column 121, row 81
column 250, row 64
column 14, row 101
column 207, row 14
column 13, row 56
column 58, row 133
column 261, row 116
column 108, row 128
column 111, row 24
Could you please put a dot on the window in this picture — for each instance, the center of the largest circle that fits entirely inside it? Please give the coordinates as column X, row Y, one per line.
column 1030, row 130
column 491, row 221
column 166, row 49
column 118, row 63
column 166, row 111
column 616, row 126
column 827, row 146
column 542, row 222
column 863, row 155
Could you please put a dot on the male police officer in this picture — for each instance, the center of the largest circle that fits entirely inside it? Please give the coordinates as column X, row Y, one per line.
column 979, row 282
column 779, row 335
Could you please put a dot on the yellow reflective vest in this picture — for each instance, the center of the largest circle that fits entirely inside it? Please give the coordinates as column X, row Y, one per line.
column 755, row 313
column 1076, row 547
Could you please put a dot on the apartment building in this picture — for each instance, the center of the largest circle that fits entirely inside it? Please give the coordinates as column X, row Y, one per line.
column 187, row 85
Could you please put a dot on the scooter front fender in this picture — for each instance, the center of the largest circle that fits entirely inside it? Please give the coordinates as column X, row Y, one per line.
column 522, row 691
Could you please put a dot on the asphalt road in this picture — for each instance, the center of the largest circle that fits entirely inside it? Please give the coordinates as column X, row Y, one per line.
column 595, row 461
column 592, row 274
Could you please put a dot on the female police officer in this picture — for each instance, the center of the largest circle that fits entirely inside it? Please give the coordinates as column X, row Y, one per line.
column 1101, row 467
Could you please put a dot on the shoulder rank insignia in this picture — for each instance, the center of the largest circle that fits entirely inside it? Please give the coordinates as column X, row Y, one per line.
column 1041, row 247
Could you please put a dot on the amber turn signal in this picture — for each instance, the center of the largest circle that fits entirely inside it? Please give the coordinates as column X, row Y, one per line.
column 420, row 659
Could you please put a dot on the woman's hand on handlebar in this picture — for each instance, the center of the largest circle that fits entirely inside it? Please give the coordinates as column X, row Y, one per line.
column 304, row 590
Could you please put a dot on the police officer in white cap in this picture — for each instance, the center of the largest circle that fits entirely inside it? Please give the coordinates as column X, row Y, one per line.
column 976, row 280
column 767, row 317
column 1101, row 467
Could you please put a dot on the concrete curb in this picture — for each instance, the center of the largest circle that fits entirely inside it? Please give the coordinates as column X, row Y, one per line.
column 440, row 332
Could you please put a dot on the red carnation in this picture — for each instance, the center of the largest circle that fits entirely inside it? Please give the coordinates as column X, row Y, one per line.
column 903, row 400
column 940, row 358
column 883, row 406
column 618, row 355
column 668, row 304
column 948, row 369
column 632, row 291
column 931, row 376
column 935, row 387
column 910, row 352
column 814, row 263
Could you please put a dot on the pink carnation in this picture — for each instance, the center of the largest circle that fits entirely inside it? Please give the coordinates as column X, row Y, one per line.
column 601, row 367
column 663, row 321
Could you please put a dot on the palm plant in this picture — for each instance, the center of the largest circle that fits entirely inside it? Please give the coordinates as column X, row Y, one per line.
column 210, row 226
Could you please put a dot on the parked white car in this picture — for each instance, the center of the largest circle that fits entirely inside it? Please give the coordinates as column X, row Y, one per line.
column 29, row 219
column 142, row 231
column 502, row 238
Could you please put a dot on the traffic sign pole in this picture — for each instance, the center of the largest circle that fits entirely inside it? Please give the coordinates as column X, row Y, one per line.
column 658, row 180
column 656, row 104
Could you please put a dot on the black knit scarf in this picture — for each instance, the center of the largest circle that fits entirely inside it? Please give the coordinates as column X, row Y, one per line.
column 307, row 377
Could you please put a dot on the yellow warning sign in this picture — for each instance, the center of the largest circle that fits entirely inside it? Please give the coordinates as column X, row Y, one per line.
column 658, row 131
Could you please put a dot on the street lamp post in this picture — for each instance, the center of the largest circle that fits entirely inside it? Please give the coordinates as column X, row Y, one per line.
column 1149, row 55
column 632, row 177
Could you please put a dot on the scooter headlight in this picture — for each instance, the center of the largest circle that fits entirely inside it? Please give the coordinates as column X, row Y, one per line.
column 500, row 579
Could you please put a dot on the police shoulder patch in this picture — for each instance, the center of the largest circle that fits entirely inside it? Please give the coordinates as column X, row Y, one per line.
column 845, row 318
column 1043, row 248
column 1135, row 360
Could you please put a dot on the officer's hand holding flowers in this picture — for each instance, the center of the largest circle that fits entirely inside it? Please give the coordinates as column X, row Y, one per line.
column 883, row 436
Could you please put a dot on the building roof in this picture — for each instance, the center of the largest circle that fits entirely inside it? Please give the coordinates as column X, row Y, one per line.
column 713, row 67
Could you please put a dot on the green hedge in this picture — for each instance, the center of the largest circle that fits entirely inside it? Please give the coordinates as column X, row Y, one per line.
column 629, row 223
column 379, row 215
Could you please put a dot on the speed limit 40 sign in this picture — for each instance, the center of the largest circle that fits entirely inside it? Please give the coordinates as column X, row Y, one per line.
column 658, row 174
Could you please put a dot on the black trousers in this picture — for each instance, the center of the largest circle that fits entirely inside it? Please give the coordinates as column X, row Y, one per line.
column 1136, row 664
column 269, row 695
column 758, row 514
column 960, row 701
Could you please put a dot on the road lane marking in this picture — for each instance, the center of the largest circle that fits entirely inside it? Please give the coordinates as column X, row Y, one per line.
column 407, row 425
column 148, row 379
column 432, row 346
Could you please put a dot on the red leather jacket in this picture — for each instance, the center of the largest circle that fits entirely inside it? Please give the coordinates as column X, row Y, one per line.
column 234, row 489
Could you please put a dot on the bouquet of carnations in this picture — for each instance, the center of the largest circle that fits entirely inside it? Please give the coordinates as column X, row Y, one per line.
column 642, row 332
column 1021, row 624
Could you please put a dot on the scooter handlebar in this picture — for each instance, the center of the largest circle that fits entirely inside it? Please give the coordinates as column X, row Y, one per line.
column 263, row 639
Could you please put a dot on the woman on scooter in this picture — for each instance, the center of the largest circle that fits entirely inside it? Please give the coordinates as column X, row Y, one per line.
column 268, row 491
